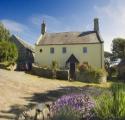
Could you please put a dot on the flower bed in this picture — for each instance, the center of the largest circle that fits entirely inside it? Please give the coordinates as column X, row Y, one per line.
column 73, row 104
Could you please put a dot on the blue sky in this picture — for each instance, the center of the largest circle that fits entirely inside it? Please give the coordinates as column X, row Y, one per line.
column 24, row 17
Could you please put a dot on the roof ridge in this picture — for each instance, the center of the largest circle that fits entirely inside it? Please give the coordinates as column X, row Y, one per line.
column 23, row 42
column 71, row 32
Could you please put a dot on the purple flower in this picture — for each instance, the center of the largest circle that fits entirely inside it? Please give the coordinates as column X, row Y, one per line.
column 80, row 102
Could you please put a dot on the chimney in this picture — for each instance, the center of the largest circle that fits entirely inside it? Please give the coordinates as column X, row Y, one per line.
column 43, row 28
column 96, row 24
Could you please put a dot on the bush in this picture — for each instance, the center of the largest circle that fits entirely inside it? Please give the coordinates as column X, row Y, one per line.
column 67, row 113
column 111, row 106
column 8, row 52
column 88, row 74
column 76, row 103
column 54, row 65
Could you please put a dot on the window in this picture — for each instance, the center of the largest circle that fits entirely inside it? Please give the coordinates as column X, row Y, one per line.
column 52, row 50
column 85, row 50
column 40, row 50
column 64, row 50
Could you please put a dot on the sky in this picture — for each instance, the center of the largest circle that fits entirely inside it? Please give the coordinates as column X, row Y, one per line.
column 24, row 17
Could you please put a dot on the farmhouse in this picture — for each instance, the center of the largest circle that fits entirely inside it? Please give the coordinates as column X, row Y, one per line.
column 70, row 48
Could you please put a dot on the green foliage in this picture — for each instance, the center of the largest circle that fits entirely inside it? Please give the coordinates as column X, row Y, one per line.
column 67, row 113
column 54, row 68
column 111, row 106
column 54, row 65
column 8, row 51
column 88, row 74
column 118, row 48
column 4, row 33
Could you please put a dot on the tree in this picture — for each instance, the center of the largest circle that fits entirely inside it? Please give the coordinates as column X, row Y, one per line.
column 118, row 48
column 4, row 33
column 8, row 51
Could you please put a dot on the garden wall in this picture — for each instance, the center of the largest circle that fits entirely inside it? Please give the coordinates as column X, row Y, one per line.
column 48, row 73
column 90, row 78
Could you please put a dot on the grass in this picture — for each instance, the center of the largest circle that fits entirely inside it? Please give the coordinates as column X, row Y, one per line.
column 110, row 105
column 104, row 85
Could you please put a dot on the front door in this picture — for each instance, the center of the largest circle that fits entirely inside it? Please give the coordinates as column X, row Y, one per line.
column 72, row 70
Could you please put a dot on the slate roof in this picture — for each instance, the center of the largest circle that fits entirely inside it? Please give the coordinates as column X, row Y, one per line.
column 65, row 38
column 24, row 43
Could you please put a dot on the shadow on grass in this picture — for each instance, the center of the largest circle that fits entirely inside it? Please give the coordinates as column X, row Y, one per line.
column 50, row 96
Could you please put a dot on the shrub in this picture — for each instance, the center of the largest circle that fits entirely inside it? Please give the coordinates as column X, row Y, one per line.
column 77, row 102
column 67, row 113
column 54, row 68
column 88, row 74
column 111, row 106
column 83, row 68
column 8, row 52
column 54, row 65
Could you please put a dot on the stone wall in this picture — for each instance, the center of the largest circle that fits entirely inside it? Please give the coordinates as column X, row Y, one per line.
column 48, row 73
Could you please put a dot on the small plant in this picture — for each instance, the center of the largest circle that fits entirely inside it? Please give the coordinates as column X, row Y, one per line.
column 67, row 113
column 54, row 68
column 54, row 65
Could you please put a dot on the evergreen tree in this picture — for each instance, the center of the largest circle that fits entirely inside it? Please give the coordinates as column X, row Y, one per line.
column 118, row 48
column 8, row 50
column 4, row 33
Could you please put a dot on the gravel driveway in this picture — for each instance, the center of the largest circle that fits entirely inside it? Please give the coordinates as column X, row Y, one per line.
column 18, row 89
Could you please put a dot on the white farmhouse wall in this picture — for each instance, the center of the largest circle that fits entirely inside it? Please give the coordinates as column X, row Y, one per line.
column 94, row 55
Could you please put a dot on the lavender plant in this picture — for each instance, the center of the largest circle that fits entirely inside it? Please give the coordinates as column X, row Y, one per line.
column 79, row 102
column 67, row 113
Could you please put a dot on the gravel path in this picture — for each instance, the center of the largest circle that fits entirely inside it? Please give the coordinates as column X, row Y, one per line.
column 18, row 89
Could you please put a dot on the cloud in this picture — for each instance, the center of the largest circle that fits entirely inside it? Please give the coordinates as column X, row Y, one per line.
column 26, row 32
column 53, row 24
column 58, row 24
column 112, row 17
column 14, row 26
